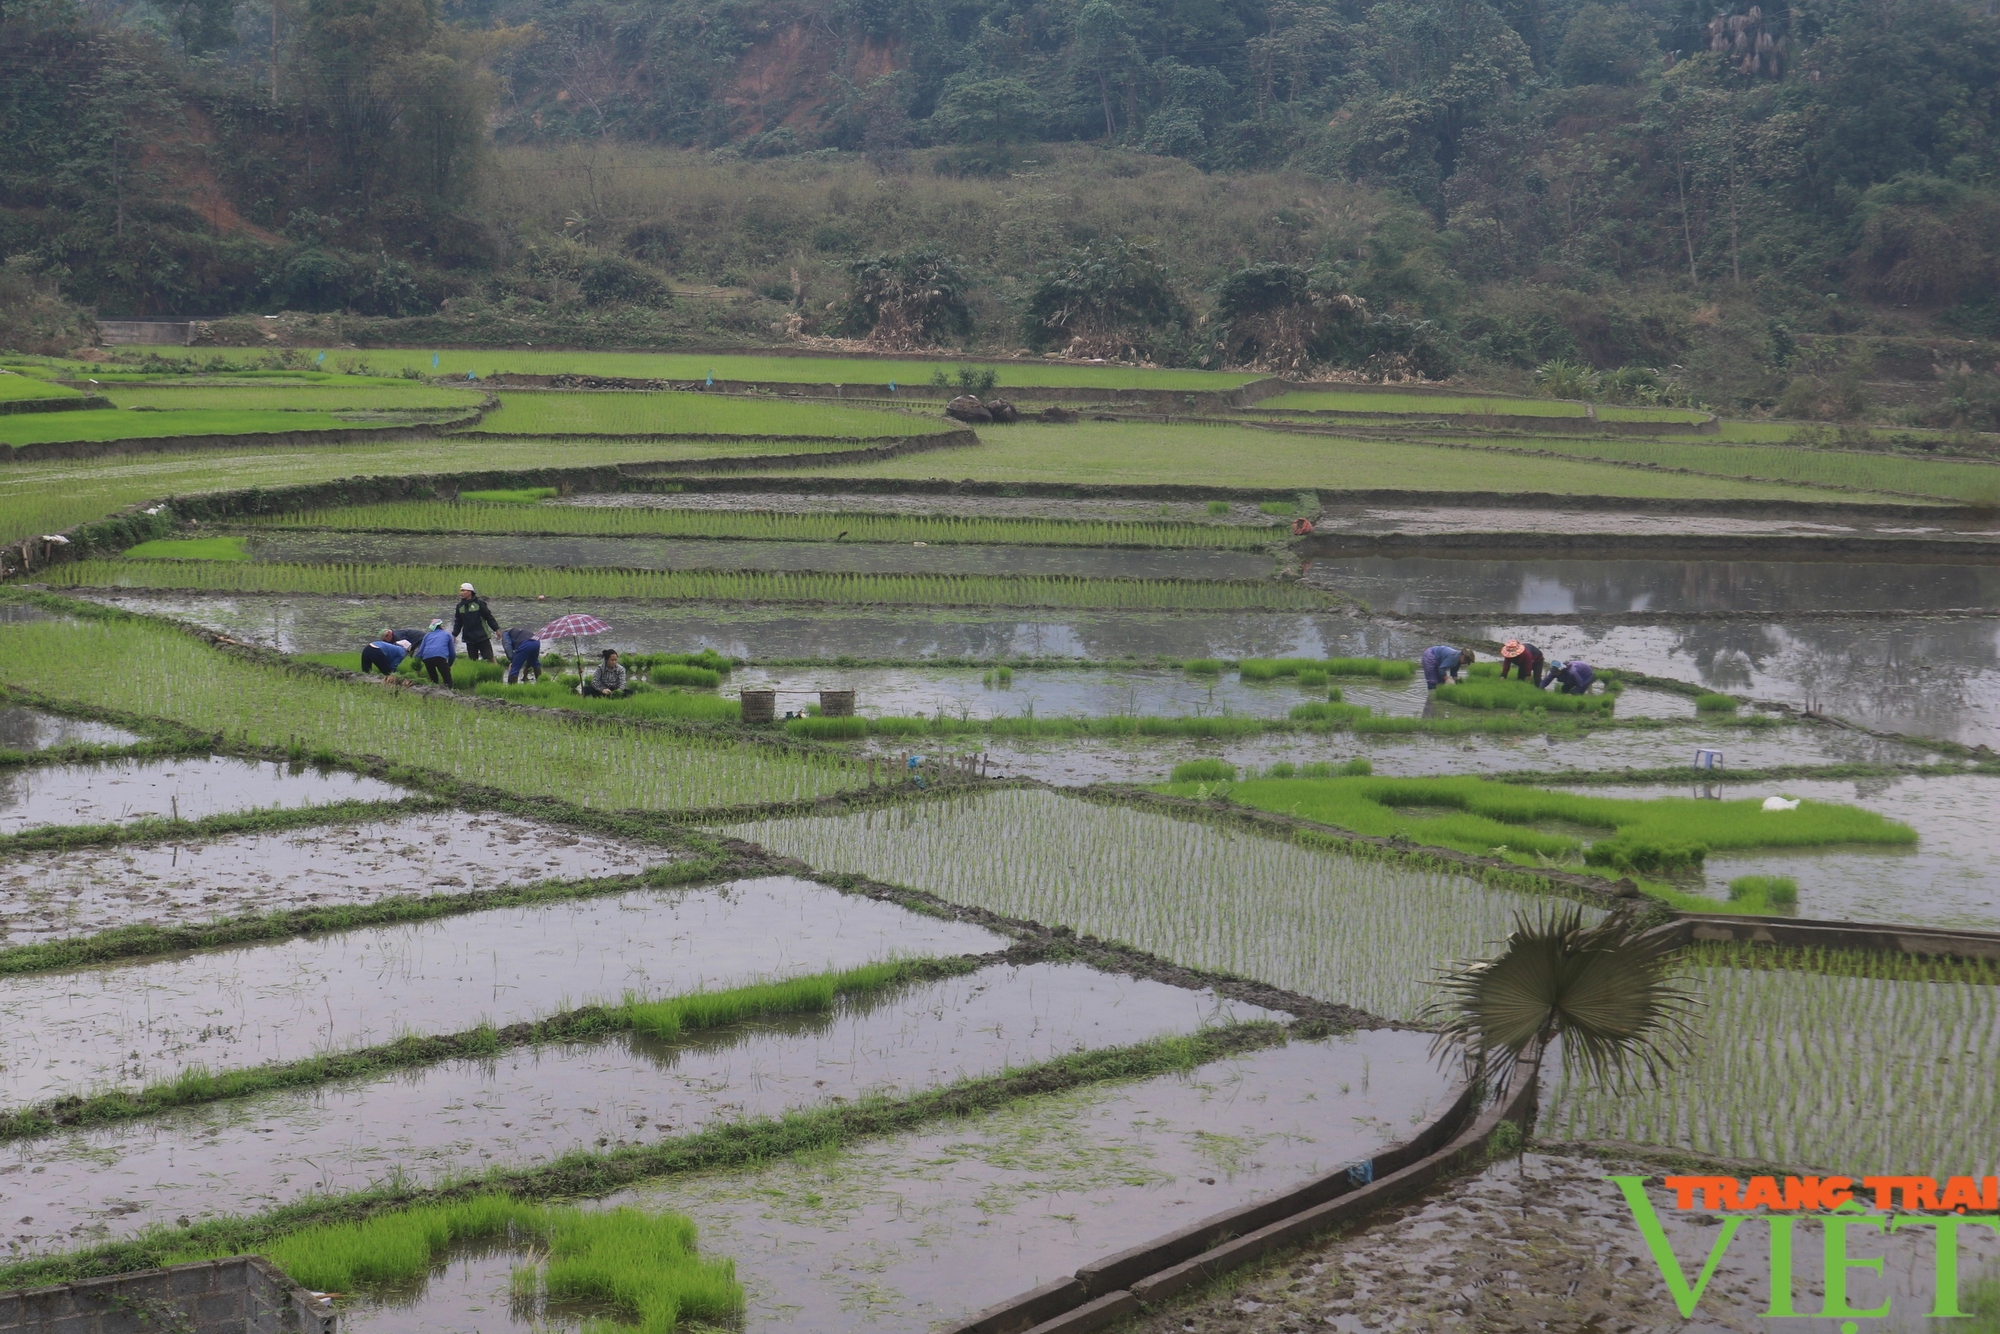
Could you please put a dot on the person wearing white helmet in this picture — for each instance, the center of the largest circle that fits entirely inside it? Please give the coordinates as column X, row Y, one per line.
column 475, row 624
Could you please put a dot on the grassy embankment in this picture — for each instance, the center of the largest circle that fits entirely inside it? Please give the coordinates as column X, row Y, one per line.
column 1321, row 400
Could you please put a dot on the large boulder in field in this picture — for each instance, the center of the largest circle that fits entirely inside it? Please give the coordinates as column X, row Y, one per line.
column 966, row 408
column 1001, row 410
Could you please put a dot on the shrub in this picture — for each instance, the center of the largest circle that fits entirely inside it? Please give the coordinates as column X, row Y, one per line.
column 1204, row 771
column 912, row 298
column 613, row 280
column 1110, row 299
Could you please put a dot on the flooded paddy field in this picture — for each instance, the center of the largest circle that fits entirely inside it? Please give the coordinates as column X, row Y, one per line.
column 911, row 1231
column 32, row 729
column 133, row 1023
column 75, row 891
column 1827, row 521
column 1950, row 877
column 1238, row 513
column 1419, row 586
column 532, row 1104
column 1360, row 933
column 1071, row 763
column 187, row 788
column 1925, row 676
column 645, row 553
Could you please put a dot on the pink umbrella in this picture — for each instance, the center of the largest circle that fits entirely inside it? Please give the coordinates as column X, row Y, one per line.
column 573, row 627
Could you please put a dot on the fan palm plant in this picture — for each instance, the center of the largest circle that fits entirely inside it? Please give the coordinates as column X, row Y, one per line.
column 1607, row 990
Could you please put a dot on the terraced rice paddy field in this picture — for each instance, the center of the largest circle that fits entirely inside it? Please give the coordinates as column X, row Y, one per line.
column 971, row 878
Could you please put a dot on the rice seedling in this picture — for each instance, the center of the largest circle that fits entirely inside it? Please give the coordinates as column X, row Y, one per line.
column 1210, row 726
column 1218, row 508
column 1479, row 816
column 663, row 705
column 546, row 413
column 695, row 585
column 1205, row 771
column 668, row 1019
column 1202, row 666
column 592, row 761
column 1361, row 932
column 1361, row 401
column 1714, row 703
column 645, row 1267
column 191, row 548
column 1315, row 678
column 525, row 495
column 434, row 516
column 1764, row 893
column 1330, row 712
column 1858, row 1069
column 1493, row 693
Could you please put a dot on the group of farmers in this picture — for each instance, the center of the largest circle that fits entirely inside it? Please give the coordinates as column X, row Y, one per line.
column 474, row 625
column 1443, row 662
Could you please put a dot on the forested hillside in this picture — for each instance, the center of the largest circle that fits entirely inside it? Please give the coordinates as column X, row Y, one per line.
column 1757, row 208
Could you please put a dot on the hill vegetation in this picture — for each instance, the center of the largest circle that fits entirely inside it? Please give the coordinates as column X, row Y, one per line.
column 1655, row 201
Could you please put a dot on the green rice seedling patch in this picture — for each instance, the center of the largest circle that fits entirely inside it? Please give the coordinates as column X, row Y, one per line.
column 1759, row 1084
column 1333, row 400
column 632, row 521
column 1493, row 693
column 663, row 705
column 1764, row 893
column 1889, row 474
column 191, row 548
column 645, row 1267
column 697, row 585
column 589, row 761
column 1715, row 703
column 526, row 495
column 1202, row 666
column 1270, row 669
column 1663, row 834
column 37, row 428
column 49, row 497
column 1205, row 771
column 668, row 1019
column 544, row 412
column 1360, row 931
column 337, row 394
column 1250, row 457
column 16, row 388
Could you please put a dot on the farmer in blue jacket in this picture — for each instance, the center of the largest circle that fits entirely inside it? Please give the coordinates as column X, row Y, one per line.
column 384, row 655
column 1442, row 660
column 437, row 653
column 1573, row 676
column 524, row 655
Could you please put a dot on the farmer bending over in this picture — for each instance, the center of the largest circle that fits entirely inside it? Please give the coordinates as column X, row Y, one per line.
column 1527, row 658
column 1441, row 661
column 1573, row 676
column 608, row 680
column 471, row 623
column 437, row 653
column 384, row 655
column 524, row 655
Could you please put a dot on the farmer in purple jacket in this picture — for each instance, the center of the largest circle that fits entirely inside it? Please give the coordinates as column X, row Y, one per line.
column 1573, row 676
column 1442, row 660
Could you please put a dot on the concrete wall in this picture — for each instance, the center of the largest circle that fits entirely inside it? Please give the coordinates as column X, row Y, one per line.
column 243, row 1294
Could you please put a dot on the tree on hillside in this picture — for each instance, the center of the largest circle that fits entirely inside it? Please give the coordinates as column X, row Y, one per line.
column 1111, row 299
column 1276, row 317
column 911, row 299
